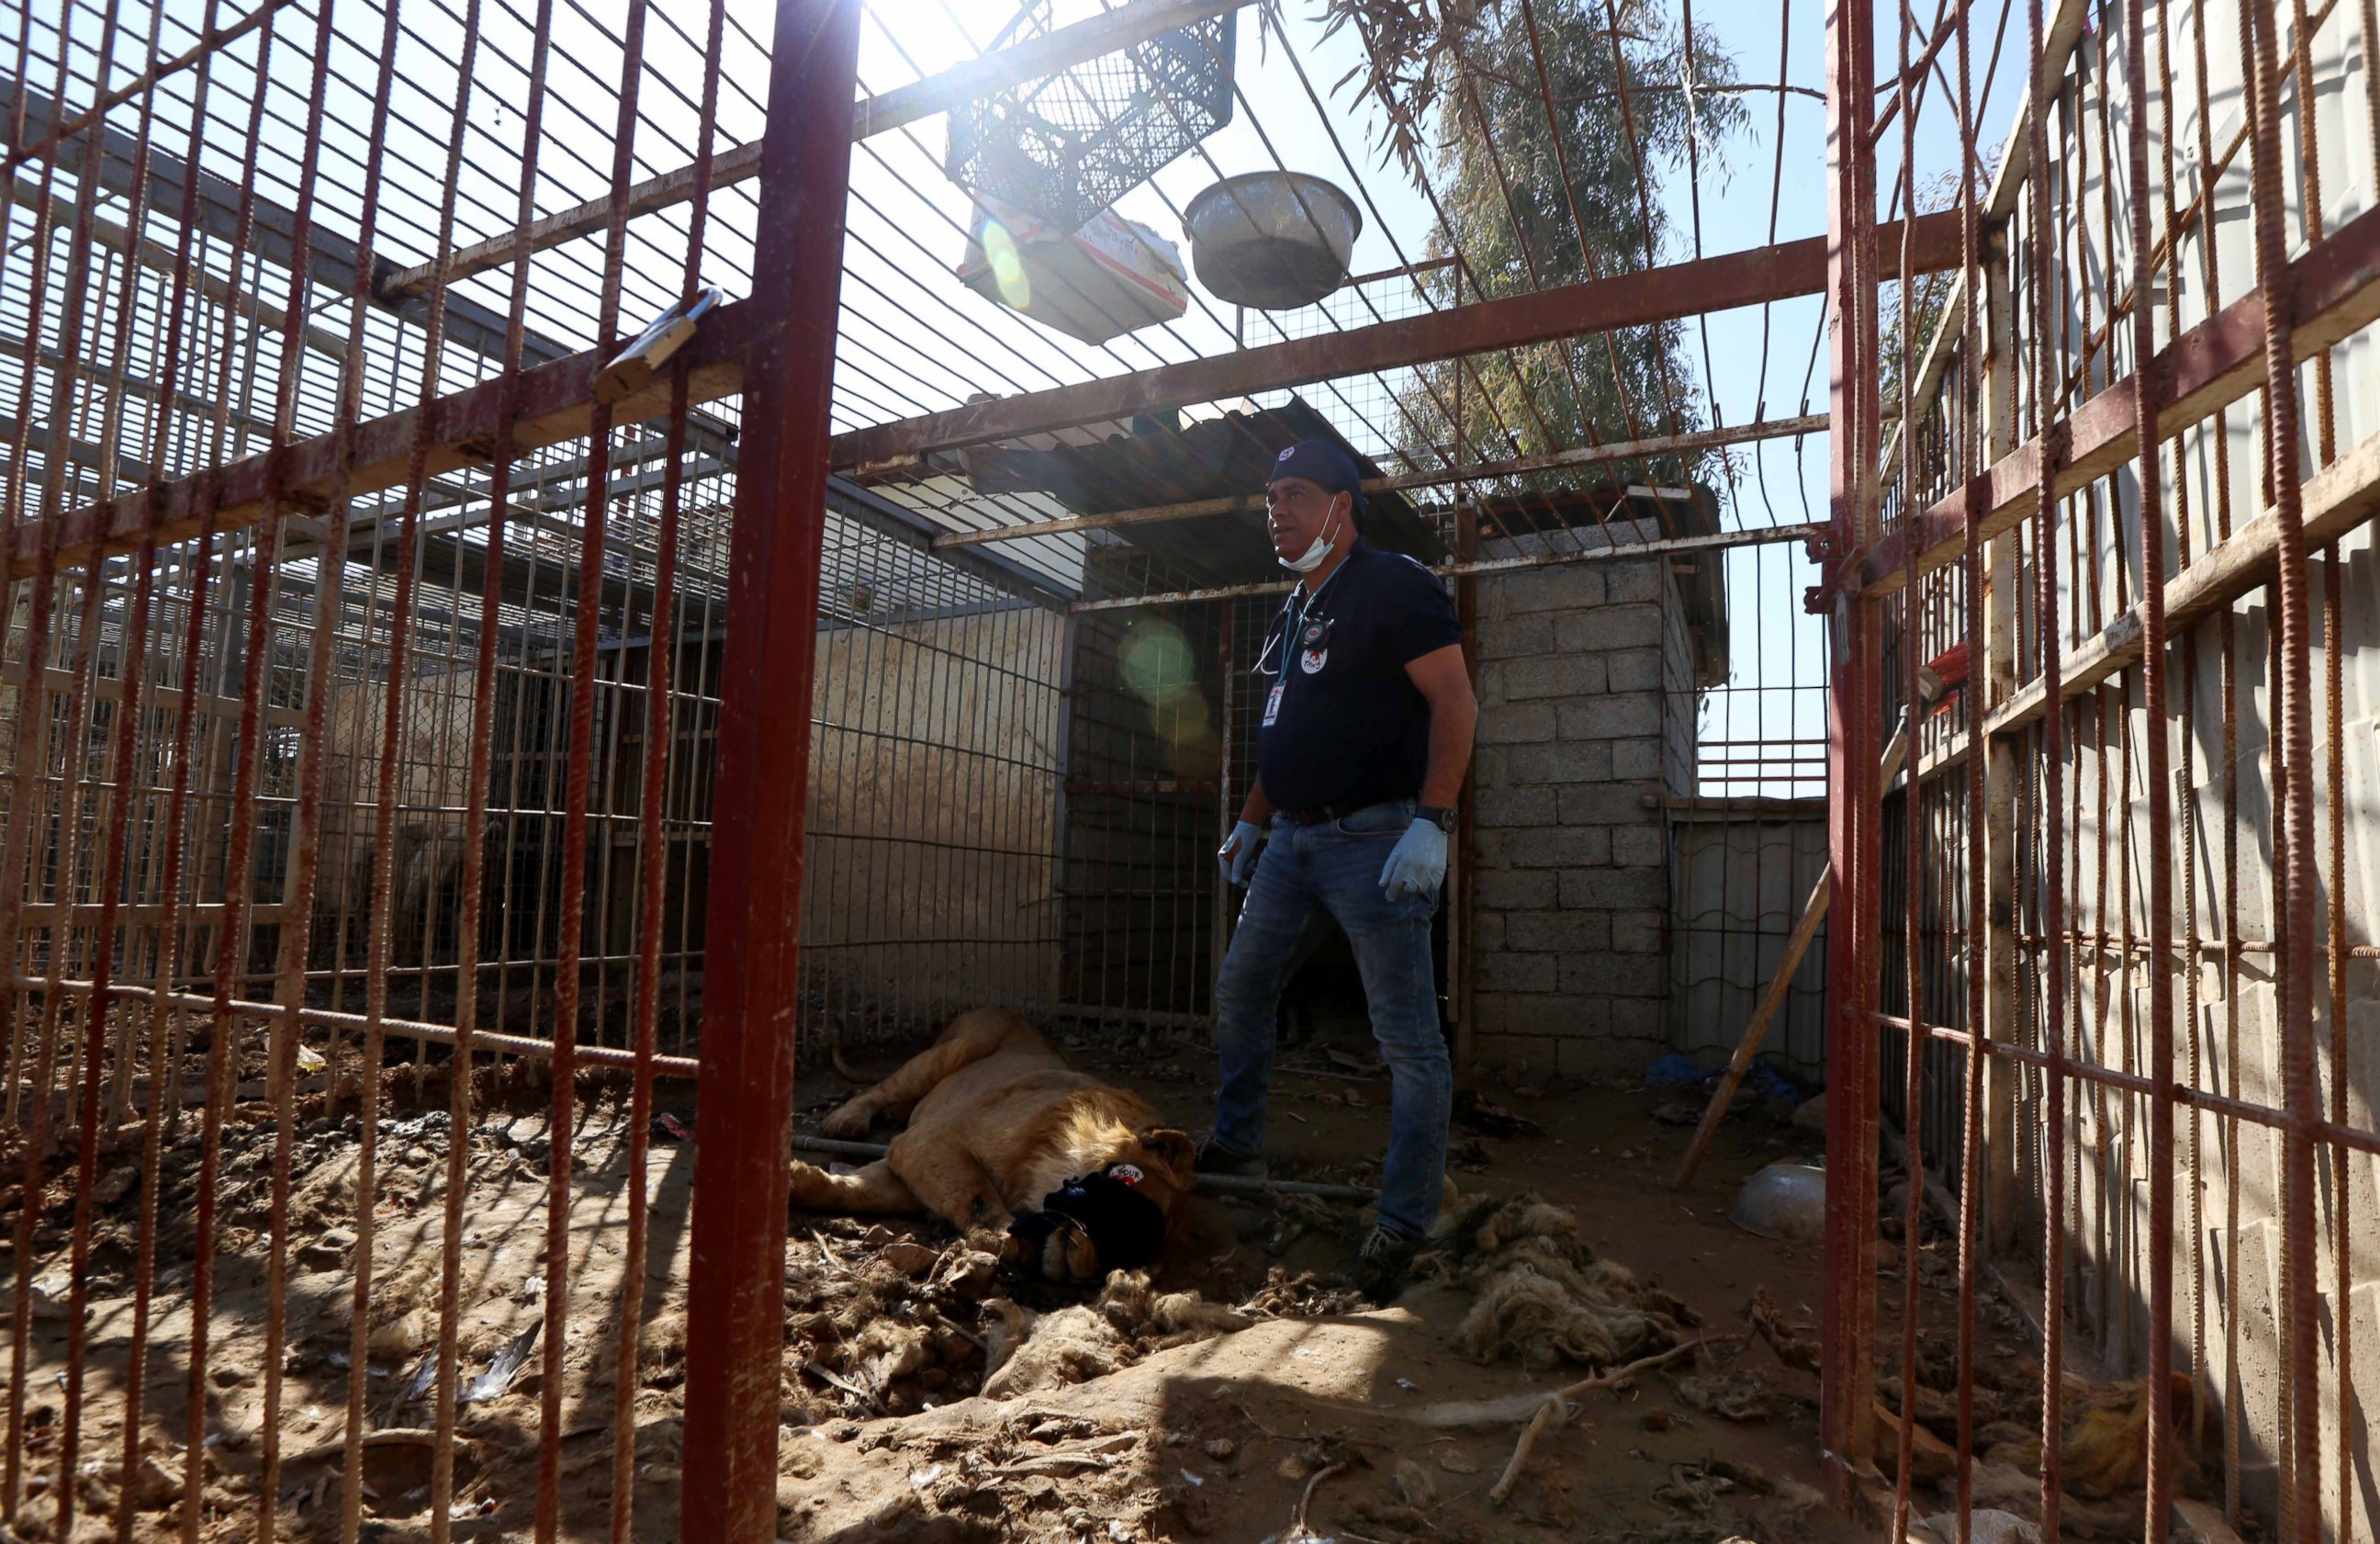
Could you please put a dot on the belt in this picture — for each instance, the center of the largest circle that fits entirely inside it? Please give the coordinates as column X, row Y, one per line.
column 1315, row 815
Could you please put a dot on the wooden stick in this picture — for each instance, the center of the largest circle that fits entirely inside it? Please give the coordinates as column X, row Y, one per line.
column 1474, row 1414
column 1814, row 911
column 1548, row 1415
column 1553, row 1412
column 1297, row 1528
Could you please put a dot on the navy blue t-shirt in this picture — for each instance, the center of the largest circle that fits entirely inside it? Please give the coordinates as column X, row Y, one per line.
column 1347, row 725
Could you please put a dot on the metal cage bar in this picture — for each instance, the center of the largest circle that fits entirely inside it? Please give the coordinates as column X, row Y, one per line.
column 2133, row 843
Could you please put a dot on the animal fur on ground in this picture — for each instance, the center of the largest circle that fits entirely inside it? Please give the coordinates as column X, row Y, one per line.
column 1025, row 1352
column 1543, row 1296
column 995, row 1121
column 2104, row 1447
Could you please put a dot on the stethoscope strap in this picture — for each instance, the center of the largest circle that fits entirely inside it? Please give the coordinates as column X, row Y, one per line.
column 1282, row 637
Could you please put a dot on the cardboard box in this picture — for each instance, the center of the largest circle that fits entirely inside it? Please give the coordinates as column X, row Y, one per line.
column 1112, row 277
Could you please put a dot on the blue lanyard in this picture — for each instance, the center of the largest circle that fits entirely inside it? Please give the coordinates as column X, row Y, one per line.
column 1297, row 621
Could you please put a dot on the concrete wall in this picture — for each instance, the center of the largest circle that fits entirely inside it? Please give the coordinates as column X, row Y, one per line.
column 1575, row 754
column 928, row 884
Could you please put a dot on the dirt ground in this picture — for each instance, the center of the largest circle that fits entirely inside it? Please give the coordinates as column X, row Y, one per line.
column 1196, row 1434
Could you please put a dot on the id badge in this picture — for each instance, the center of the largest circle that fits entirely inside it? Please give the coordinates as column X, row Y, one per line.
column 1272, row 704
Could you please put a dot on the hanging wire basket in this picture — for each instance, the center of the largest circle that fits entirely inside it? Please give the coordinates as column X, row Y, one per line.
column 1069, row 145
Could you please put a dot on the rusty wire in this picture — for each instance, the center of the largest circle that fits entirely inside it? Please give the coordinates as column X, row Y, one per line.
column 2301, row 1511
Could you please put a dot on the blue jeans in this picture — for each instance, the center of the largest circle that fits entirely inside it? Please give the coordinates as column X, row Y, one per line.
column 1334, row 868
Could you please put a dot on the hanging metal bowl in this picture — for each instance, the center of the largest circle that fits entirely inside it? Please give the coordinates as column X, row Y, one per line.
column 1273, row 240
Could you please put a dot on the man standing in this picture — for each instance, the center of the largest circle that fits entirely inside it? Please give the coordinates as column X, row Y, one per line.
column 1364, row 740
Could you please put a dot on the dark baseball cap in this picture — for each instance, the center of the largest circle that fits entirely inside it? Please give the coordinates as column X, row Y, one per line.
column 1324, row 465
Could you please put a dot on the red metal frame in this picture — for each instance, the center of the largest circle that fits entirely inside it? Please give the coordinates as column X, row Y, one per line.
column 2334, row 291
column 1854, row 737
column 1648, row 295
column 737, row 1291
column 2113, row 595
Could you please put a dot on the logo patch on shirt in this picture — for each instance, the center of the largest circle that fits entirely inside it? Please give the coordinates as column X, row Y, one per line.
column 1125, row 1172
column 1311, row 661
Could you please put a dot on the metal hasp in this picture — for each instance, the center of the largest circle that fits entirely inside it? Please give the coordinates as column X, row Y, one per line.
column 737, row 1281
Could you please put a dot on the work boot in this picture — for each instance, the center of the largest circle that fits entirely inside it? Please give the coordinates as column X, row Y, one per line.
column 1216, row 1159
column 1383, row 1264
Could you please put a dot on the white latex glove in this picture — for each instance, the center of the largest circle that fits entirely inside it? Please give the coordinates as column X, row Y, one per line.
column 1238, row 854
column 1418, row 864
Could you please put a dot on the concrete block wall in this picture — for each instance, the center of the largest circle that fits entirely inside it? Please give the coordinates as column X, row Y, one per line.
column 1574, row 750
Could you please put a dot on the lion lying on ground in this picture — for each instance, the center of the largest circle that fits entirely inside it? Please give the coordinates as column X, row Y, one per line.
column 1003, row 1133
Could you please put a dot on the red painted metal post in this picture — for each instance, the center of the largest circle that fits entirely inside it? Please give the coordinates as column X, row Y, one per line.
column 735, row 1355
column 1854, row 711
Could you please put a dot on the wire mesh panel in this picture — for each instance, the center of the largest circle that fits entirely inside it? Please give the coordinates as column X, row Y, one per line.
column 1146, row 767
column 940, row 733
column 1067, row 146
column 363, row 673
column 1747, row 837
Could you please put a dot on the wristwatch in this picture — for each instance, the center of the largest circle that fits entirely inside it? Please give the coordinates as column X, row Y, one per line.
column 1442, row 819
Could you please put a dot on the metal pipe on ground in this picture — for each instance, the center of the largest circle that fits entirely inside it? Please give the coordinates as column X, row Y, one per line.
column 1231, row 1184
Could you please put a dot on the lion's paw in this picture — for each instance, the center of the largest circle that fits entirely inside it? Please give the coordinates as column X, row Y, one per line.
column 848, row 1123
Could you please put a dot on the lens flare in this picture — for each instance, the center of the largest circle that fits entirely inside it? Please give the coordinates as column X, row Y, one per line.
column 1156, row 662
column 1007, row 266
column 1159, row 667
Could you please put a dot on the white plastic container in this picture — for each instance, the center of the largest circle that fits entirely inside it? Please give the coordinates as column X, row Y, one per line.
column 1114, row 276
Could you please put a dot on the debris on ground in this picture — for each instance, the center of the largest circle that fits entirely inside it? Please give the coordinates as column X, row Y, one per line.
column 1768, row 1321
column 1043, row 1351
column 1301, row 1294
column 2104, row 1449
column 1474, row 1112
column 1931, row 1459
column 1765, row 1080
column 927, row 1392
column 2103, row 1424
column 1543, row 1296
column 502, row 1367
column 1992, row 1526
column 1730, row 1395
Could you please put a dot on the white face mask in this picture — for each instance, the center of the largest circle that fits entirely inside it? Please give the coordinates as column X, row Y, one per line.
column 1309, row 560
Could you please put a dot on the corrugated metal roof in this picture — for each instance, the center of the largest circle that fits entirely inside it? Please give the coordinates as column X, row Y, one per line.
column 1162, row 463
